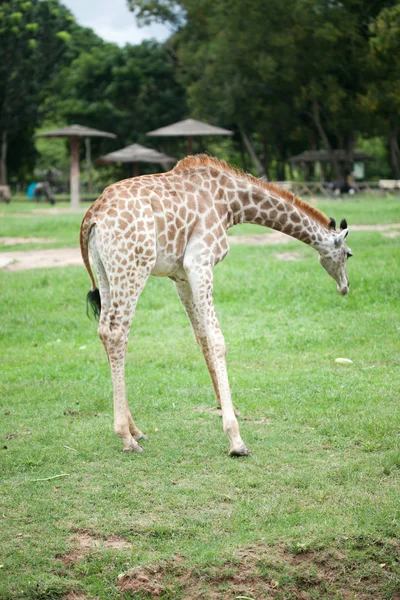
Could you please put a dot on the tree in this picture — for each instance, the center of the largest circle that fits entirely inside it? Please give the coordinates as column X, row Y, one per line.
column 34, row 35
column 289, row 74
column 128, row 91
column 383, row 94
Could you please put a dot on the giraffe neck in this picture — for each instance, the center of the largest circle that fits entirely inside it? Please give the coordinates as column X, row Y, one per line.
column 272, row 207
column 241, row 198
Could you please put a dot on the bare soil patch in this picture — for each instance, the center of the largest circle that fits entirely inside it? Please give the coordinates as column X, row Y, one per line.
column 391, row 234
column 75, row 596
column 39, row 259
column 261, row 239
column 290, row 256
column 54, row 211
column 85, row 542
column 264, row 573
column 386, row 227
column 13, row 241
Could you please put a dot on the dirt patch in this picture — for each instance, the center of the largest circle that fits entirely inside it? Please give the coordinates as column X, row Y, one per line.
column 13, row 241
column 375, row 227
column 74, row 596
column 262, row 572
column 54, row 211
column 85, row 542
column 261, row 239
column 290, row 256
column 391, row 234
column 39, row 259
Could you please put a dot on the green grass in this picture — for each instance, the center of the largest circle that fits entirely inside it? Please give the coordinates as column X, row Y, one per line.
column 313, row 513
column 31, row 220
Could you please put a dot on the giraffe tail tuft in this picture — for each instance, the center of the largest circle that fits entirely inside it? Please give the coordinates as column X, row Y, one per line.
column 93, row 304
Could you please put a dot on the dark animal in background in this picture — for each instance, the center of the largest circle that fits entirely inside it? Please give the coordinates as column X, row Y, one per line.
column 44, row 189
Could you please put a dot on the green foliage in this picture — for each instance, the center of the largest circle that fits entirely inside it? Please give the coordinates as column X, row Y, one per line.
column 295, row 75
column 33, row 38
column 289, row 75
column 128, row 91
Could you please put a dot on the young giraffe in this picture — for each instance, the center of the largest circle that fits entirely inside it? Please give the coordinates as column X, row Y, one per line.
column 175, row 225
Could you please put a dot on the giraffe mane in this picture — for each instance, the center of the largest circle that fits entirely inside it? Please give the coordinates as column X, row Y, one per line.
column 204, row 160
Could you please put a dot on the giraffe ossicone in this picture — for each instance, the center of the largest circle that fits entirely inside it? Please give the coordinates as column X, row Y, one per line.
column 175, row 225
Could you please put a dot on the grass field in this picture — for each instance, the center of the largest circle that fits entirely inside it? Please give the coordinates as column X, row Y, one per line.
column 313, row 513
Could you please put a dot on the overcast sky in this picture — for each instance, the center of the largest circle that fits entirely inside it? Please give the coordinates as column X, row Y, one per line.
column 113, row 22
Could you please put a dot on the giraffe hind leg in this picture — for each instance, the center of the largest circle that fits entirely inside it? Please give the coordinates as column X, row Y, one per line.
column 119, row 296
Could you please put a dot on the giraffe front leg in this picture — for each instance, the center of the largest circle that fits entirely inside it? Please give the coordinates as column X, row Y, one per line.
column 186, row 297
column 213, row 346
column 135, row 431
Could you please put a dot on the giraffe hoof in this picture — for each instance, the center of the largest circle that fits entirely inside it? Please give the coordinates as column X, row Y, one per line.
column 133, row 447
column 142, row 437
column 240, row 451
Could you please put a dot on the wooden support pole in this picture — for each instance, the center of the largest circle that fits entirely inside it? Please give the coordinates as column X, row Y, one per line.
column 74, row 179
column 89, row 165
column 190, row 144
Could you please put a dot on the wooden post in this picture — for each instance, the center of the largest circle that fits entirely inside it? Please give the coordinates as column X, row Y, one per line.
column 136, row 171
column 3, row 159
column 190, row 144
column 89, row 165
column 74, row 179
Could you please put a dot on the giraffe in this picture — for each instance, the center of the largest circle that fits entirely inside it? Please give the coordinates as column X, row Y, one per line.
column 175, row 225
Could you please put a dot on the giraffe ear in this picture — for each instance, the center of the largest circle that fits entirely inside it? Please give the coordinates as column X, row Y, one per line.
column 343, row 224
column 332, row 224
column 339, row 239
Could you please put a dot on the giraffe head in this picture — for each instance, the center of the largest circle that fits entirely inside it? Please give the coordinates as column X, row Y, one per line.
column 334, row 253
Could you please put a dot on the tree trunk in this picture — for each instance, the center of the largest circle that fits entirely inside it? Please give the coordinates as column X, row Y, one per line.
column 349, row 151
column 243, row 155
column 250, row 149
column 266, row 159
column 320, row 128
column 3, row 159
column 74, row 177
column 393, row 136
column 280, row 170
column 89, row 165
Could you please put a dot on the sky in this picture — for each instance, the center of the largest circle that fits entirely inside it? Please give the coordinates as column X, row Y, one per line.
column 113, row 22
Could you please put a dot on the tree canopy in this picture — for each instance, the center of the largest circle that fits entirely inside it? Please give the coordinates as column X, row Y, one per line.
column 285, row 76
column 293, row 75
column 34, row 36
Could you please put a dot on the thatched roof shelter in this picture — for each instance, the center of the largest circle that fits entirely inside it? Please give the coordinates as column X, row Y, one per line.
column 135, row 154
column 311, row 156
column 189, row 128
column 75, row 132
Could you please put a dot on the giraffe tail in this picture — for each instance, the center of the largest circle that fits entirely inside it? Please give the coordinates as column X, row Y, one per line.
column 93, row 301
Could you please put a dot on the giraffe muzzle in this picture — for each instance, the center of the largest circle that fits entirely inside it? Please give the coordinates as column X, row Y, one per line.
column 343, row 290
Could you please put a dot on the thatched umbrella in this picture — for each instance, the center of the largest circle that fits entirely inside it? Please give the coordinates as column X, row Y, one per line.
column 311, row 156
column 135, row 154
column 189, row 128
column 75, row 132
